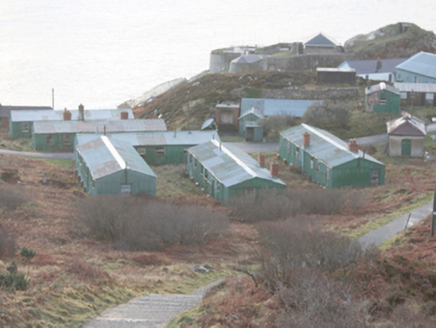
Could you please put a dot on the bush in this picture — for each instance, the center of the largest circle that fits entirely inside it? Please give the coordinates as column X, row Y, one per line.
column 274, row 124
column 13, row 279
column 329, row 115
column 8, row 243
column 299, row 242
column 134, row 225
column 272, row 204
column 27, row 253
column 11, row 197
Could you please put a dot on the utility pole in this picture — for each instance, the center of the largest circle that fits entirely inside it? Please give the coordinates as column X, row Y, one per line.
column 434, row 213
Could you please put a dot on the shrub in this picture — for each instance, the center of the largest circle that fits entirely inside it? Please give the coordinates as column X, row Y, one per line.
column 329, row 115
column 27, row 253
column 134, row 225
column 12, row 197
column 274, row 124
column 429, row 308
column 269, row 205
column 8, row 243
column 13, row 279
column 300, row 242
column 272, row 204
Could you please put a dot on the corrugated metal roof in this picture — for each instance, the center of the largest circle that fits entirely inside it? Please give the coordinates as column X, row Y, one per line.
column 104, row 156
column 416, row 87
column 247, row 59
column 57, row 115
column 207, row 124
column 369, row 66
column 321, row 40
column 408, row 125
column 53, row 127
column 255, row 111
column 230, row 165
column 324, row 145
column 332, row 69
column 188, row 138
column 423, row 63
column 269, row 107
column 381, row 86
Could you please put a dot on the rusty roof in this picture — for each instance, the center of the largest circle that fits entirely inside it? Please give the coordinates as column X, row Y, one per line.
column 407, row 125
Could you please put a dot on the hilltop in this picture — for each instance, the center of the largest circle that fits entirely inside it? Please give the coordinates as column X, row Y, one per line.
column 392, row 41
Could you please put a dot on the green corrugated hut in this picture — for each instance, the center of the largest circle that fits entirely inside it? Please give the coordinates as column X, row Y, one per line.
column 382, row 98
column 108, row 166
column 328, row 160
column 168, row 147
column 21, row 121
column 60, row 135
column 226, row 172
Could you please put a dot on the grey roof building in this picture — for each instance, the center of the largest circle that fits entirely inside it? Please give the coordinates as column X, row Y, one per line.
column 108, row 166
column 226, row 172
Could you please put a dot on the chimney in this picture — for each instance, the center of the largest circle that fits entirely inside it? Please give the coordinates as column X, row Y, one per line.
column 124, row 115
column 274, row 169
column 261, row 159
column 67, row 115
column 306, row 139
column 353, row 146
column 81, row 112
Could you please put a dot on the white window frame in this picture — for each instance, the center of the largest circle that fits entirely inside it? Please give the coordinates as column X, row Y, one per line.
column 25, row 127
column 160, row 151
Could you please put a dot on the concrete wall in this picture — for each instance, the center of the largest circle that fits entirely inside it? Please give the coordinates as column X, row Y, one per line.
column 237, row 68
column 221, row 62
column 417, row 145
column 306, row 62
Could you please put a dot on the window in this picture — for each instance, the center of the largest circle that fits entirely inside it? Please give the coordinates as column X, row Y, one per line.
column 141, row 151
column 126, row 189
column 49, row 140
column 160, row 151
column 382, row 102
column 25, row 127
column 311, row 163
column 317, row 166
column 327, row 173
column 195, row 162
column 250, row 193
column 185, row 150
column 297, row 150
column 66, row 139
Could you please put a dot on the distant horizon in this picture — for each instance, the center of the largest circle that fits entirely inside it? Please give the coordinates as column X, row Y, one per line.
column 103, row 53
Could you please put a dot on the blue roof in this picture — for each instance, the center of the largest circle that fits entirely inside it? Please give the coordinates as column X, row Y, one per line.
column 230, row 165
column 187, row 138
column 320, row 40
column 369, row 66
column 423, row 63
column 207, row 124
column 104, row 156
column 268, row 107
column 324, row 145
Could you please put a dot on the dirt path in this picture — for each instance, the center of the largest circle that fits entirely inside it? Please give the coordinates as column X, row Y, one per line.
column 149, row 311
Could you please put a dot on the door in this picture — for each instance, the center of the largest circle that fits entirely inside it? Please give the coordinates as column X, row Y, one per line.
column 375, row 177
column 249, row 134
column 226, row 117
column 406, row 147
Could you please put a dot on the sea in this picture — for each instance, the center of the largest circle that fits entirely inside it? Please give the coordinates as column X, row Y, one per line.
column 100, row 53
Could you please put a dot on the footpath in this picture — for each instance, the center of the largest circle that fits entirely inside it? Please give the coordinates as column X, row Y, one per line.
column 149, row 311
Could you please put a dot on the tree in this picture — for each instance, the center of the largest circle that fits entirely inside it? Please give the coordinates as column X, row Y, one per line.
column 328, row 115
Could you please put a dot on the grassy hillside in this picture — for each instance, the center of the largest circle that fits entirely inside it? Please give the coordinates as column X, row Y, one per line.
column 212, row 89
column 390, row 42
